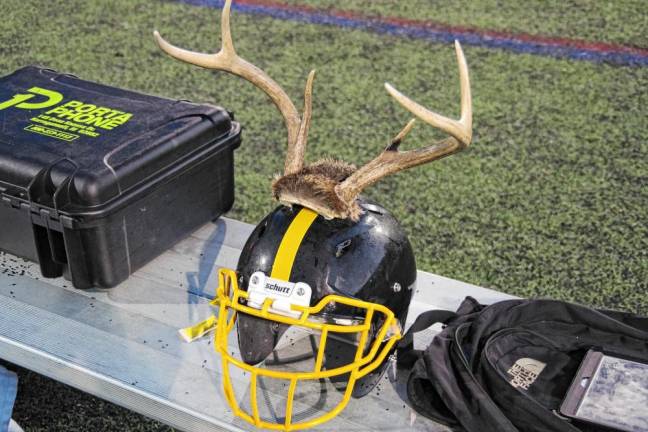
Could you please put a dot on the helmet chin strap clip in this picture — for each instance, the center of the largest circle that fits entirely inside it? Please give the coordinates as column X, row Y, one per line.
column 283, row 294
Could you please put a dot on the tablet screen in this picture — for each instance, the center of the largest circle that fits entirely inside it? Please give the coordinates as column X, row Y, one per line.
column 616, row 395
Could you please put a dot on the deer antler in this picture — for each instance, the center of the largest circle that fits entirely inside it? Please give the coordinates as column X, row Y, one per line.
column 227, row 60
column 391, row 160
column 330, row 187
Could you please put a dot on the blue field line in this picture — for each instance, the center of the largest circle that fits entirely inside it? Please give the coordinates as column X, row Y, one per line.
column 467, row 37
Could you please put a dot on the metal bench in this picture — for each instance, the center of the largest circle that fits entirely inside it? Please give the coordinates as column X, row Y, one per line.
column 122, row 344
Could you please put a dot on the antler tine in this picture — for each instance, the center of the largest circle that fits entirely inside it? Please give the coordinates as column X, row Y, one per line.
column 391, row 160
column 227, row 60
column 295, row 160
column 461, row 129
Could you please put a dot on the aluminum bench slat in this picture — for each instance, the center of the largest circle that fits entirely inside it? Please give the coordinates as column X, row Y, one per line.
column 122, row 344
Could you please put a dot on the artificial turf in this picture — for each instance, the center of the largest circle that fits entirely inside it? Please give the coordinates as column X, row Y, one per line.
column 549, row 201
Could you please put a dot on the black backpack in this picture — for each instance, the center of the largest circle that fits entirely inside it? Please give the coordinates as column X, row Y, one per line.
column 507, row 367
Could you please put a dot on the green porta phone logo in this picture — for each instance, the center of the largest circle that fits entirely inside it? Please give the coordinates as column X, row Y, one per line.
column 67, row 121
column 20, row 100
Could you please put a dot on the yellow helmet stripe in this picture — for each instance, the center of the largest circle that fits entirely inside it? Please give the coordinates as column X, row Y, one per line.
column 283, row 263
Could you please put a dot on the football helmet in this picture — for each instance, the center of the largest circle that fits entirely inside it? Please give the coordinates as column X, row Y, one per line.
column 350, row 283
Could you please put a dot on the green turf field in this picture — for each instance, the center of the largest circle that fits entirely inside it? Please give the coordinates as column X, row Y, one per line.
column 549, row 201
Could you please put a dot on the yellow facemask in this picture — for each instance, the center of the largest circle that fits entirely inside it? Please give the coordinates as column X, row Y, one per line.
column 369, row 355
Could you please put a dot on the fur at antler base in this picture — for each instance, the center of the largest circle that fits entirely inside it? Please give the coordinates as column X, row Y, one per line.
column 314, row 187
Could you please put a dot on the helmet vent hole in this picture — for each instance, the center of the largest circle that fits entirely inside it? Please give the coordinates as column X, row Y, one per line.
column 342, row 248
column 373, row 208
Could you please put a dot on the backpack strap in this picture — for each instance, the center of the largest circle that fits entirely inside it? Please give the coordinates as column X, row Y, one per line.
column 425, row 399
column 407, row 355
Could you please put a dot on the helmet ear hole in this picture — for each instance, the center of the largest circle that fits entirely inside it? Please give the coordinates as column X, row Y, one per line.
column 343, row 247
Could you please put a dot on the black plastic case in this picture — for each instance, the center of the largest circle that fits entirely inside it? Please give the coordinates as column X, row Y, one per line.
column 97, row 181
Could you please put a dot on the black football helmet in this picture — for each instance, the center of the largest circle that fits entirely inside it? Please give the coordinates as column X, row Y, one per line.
column 369, row 260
